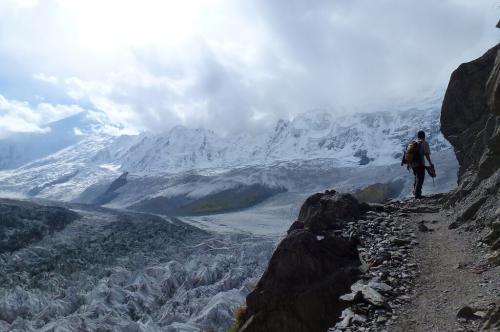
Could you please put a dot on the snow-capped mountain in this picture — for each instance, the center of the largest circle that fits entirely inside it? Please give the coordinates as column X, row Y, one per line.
column 22, row 148
column 188, row 164
column 376, row 138
column 180, row 149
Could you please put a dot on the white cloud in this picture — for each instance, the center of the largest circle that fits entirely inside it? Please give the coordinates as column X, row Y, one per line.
column 24, row 4
column 79, row 89
column 239, row 65
column 19, row 117
column 49, row 113
column 103, row 124
column 45, row 78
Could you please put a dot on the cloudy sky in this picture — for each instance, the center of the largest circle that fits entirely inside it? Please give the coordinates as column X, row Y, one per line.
column 229, row 65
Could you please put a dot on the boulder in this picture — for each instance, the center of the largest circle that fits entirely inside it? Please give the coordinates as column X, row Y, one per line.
column 308, row 272
column 467, row 313
column 367, row 293
column 492, row 236
column 328, row 211
column 301, row 287
column 494, row 257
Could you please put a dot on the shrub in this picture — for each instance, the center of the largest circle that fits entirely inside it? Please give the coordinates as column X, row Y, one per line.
column 239, row 313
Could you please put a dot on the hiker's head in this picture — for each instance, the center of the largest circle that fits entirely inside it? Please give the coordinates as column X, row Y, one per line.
column 421, row 134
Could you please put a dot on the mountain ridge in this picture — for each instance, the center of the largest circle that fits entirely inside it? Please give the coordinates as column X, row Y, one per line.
column 183, row 163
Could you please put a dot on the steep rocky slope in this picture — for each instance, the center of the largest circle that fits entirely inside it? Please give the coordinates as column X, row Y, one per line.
column 470, row 120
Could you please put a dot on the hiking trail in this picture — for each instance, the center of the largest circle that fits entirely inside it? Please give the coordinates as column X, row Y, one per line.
column 453, row 274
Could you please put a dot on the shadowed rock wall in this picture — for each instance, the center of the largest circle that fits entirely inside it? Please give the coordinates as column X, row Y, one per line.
column 470, row 120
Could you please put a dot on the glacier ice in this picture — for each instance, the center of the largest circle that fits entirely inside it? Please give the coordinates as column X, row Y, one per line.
column 122, row 271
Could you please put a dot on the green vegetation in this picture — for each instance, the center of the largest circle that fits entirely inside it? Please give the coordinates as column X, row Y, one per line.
column 239, row 313
column 379, row 192
column 225, row 201
column 229, row 200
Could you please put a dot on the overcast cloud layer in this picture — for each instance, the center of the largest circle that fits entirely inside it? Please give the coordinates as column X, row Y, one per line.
column 228, row 65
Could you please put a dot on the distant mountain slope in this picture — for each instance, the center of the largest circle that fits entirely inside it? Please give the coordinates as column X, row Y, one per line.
column 19, row 149
column 191, row 169
column 363, row 138
column 360, row 138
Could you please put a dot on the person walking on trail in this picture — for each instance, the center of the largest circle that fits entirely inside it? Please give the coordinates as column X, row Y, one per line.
column 421, row 152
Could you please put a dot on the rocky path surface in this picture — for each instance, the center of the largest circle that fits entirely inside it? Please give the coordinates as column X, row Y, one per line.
column 453, row 278
column 420, row 276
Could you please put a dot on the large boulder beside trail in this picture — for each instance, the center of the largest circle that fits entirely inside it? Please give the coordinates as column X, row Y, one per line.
column 470, row 120
column 308, row 272
column 326, row 212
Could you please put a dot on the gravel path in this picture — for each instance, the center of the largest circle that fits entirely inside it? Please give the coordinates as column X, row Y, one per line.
column 453, row 275
column 419, row 273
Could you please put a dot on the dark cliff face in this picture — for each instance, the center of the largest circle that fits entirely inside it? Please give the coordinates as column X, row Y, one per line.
column 470, row 120
column 309, row 270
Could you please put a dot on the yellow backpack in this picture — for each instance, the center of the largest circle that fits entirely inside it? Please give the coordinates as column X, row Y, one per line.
column 412, row 153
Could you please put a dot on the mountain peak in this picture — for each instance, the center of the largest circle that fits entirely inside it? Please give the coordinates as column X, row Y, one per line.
column 313, row 120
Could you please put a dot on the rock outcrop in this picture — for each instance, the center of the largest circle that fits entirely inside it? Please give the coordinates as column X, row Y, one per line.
column 311, row 268
column 321, row 213
column 470, row 120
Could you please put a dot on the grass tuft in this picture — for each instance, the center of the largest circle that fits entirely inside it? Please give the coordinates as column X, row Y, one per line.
column 239, row 313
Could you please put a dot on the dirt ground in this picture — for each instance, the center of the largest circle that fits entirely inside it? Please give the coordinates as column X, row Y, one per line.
column 453, row 274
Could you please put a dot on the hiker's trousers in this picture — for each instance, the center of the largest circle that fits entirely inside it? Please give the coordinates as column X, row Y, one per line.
column 419, row 173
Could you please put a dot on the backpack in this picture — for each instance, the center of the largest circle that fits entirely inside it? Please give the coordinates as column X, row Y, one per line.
column 412, row 154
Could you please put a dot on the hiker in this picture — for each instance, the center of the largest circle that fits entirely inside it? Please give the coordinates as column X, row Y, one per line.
column 417, row 163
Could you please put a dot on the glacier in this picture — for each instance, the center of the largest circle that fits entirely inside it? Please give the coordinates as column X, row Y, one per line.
column 122, row 271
